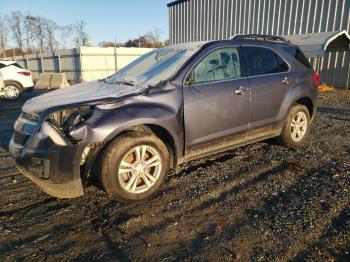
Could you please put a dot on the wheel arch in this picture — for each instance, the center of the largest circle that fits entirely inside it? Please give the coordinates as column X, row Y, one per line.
column 159, row 131
column 13, row 81
column 307, row 102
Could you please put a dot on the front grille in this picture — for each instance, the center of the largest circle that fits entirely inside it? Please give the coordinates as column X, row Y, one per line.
column 20, row 138
column 30, row 117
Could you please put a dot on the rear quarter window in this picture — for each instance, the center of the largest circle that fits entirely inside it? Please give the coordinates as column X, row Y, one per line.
column 263, row 61
column 298, row 55
column 17, row 65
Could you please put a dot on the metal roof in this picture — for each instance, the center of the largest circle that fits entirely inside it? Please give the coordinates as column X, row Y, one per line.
column 176, row 2
column 316, row 44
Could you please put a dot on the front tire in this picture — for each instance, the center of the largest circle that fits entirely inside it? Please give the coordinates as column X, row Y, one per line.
column 134, row 166
column 296, row 128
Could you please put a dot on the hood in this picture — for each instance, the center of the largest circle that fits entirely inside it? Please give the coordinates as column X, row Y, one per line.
column 90, row 93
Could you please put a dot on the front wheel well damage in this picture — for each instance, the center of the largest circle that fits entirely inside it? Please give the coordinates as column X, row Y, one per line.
column 160, row 132
column 91, row 170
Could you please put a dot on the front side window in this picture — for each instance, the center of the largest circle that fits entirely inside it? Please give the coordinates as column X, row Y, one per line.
column 262, row 61
column 220, row 64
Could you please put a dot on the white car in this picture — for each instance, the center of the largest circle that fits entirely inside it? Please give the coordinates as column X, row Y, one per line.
column 2, row 85
column 16, row 79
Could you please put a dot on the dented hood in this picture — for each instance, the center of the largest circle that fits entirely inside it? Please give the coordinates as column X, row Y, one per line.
column 90, row 93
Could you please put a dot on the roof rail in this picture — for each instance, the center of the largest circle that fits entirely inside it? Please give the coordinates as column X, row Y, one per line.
column 261, row 37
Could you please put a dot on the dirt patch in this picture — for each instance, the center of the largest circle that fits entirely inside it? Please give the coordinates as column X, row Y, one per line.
column 261, row 202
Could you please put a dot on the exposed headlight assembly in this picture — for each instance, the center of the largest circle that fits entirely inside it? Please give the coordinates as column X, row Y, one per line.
column 75, row 119
column 67, row 120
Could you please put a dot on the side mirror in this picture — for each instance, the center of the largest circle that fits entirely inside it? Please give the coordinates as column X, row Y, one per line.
column 189, row 79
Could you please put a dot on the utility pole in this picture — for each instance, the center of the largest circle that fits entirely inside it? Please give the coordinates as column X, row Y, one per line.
column 115, row 55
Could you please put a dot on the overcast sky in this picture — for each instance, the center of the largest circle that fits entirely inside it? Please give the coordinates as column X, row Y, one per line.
column 105, row 19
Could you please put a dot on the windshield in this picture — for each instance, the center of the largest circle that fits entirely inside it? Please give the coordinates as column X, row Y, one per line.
column 153, row 67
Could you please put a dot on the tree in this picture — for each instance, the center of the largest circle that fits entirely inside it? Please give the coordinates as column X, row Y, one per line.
column 109, row 44
column 82, row 38
column 65, row 34
column 153, row 37
column 16, row 22
column 39, row 32
column 136, row 42
column 50, row 28
column 30, row 32
column 3, row 34
column 146, row 40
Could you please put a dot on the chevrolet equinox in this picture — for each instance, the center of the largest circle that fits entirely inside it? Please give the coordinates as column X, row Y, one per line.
column 169, row 106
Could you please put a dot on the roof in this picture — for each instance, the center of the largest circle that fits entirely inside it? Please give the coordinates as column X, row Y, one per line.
column 316, row 44
column 261, row 37
column 176, row 2
column 189, row 45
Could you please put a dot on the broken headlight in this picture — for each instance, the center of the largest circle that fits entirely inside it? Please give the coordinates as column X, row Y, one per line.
column 75, row 119
column 67, row 120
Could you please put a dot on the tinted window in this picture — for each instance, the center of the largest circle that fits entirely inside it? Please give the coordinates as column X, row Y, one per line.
column 219, row 65
column 298, row 55
column 2, row 65
column 261, row 61
column 17, row 65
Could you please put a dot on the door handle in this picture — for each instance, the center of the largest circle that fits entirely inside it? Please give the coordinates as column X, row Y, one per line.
column 285, row 80
column 240, row 90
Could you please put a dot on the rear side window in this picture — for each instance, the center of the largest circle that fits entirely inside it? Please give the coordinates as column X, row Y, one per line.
column 17, row 65
column 298, row 55
column 262, row 61
column 2, row 65
column 218, row 65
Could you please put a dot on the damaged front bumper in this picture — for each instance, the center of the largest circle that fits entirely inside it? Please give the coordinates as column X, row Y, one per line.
column 44, row 156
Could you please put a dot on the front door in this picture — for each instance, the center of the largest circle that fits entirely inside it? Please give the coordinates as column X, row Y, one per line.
column 217, row 103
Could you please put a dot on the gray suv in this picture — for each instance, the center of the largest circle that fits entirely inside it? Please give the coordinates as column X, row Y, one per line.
column 171, row 105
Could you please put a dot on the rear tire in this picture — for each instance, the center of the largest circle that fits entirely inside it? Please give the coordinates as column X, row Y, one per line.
column 12, row 90
column 134, row 166
column 296, row 128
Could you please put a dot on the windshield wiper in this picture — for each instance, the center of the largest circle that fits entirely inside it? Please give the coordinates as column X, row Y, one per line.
column 129, row 82
column 160, row 83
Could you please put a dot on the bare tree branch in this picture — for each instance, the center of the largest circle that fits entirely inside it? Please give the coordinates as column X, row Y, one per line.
column 16, row 23
column 50, row 28
column 3, row 34
column 65, row 34
column 82, row 38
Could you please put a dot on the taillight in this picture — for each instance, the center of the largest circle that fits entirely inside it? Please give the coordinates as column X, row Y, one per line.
column 316, row 79
column 24, row 73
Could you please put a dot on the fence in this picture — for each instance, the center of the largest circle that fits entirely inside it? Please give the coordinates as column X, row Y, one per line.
column 81, row 64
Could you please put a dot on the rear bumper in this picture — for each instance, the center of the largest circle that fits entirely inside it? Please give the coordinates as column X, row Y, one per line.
column 50, row 163
column 28, row 88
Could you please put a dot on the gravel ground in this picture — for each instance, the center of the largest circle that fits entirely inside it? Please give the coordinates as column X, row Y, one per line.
column 261, row 202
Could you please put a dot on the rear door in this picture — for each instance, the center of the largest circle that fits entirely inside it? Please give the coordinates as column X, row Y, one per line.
column 269, row 79
column 217, row 104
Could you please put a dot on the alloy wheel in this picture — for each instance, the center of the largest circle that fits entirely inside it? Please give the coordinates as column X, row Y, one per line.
column 139, row 169
column 298, row 126
column 11, row 92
